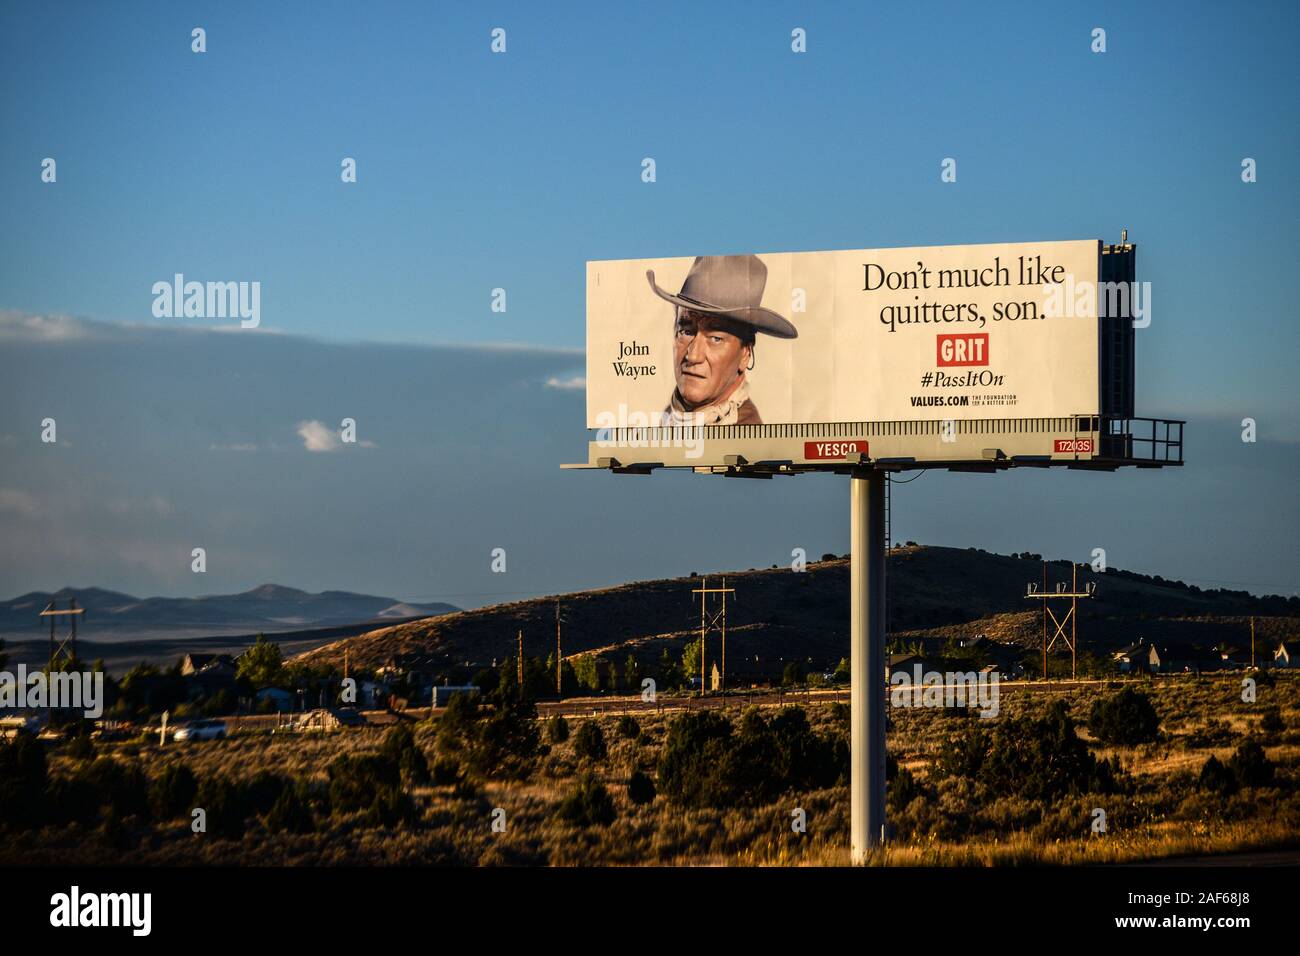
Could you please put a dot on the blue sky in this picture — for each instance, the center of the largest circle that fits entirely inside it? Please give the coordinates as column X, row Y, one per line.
column 478, row 171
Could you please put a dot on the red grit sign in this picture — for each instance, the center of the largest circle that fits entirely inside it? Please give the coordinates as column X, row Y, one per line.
column 1073, row 446
column 834, row 449
column 970, row 348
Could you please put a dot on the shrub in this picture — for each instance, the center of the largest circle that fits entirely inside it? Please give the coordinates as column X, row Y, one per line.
column 962, row 754
column 122, row 788
column 458, row 723
column 557, row 729
column 81, row 747
column 505, row 745
column 355, row 779
column 1271, row 723
column 224, row 807
column 1250, row 766
column 1124, row 718
column 400, row 746
column 292, row 812
column 589, row 741
column 705, row 763
column 640, row 788
column 696, row 745
column 389, row 808
column 902, row 790
column 627, row 727
column 588, row 804
column 1216, row 778
column 1041, row 758
column 446, row 771
column 171, row 793
column 22, row 781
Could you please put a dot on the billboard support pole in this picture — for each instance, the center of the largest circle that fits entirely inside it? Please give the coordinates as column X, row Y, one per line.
column 867, row 662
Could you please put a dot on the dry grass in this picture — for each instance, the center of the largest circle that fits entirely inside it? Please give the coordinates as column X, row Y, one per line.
column 1161, row 814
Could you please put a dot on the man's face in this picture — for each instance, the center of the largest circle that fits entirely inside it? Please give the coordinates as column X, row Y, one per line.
column 707, row 357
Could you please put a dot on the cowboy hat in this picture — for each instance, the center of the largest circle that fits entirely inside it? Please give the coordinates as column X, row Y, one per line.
column 730, row 286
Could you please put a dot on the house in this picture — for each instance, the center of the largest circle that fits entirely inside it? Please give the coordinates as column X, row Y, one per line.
column 907, row 662
column 195, row 663
column 1183, row 659
column 282, row 699
column 443, row 693
column 208, row 674
column 1133, row 659
column 1234, row 657
column 1287, row 654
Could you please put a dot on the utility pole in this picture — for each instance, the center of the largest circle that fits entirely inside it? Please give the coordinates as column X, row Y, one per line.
column 717, row 620
column 1071, row 616
column 62, row 643
column 722, row 682
column 1252, row 643
column 559, row 666
column 521, row 663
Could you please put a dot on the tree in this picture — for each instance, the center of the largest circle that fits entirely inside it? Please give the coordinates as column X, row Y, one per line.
column 262, row 665
column 588, row 804
column 589, row 741
column 505, row 745
column 557, row 729
column 1216, row 778
column 400, row 746
column 1040, row 758
column 587, row 671
column 691, row 659
column 632, row 673
column 640, row 788
column 1124, row 718
column 670, row 675
column 1250, row 765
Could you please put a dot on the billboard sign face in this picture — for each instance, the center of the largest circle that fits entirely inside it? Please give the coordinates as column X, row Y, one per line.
column 928, row 333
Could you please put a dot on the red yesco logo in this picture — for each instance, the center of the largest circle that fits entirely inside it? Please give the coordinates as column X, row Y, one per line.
column 971, row 348
column 834, row 449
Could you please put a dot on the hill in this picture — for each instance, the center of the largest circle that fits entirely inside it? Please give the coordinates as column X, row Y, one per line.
column 776, row 614
column 113, row 616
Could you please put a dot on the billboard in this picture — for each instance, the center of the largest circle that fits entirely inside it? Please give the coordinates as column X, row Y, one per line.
column 990, row 331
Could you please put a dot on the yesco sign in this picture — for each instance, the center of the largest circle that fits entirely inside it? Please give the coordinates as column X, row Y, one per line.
column 929, row 333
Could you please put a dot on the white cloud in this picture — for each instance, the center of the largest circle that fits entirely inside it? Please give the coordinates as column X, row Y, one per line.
column 317, row 436
column 574, row 383
column 25, row 327
column 236, row 446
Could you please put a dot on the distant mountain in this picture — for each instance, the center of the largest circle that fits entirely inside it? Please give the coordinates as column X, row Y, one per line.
column 934, row 593
column 271, row 608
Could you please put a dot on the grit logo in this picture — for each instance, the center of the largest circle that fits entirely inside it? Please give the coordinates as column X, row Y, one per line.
column 971, row 348
column 834, row 449
column 1073, row 446
column 75, row 908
